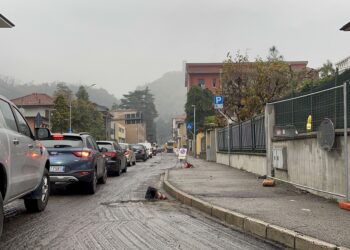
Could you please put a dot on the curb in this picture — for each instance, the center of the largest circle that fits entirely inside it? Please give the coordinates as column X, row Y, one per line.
column 284, row 236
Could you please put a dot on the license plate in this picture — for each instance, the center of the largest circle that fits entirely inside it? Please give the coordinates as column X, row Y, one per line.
column 57, row 169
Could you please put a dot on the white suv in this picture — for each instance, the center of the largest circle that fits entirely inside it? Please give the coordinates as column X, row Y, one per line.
column 24, row 162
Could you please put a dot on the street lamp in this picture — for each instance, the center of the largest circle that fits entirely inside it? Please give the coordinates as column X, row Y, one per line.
column 70, row 109
column 194, row 131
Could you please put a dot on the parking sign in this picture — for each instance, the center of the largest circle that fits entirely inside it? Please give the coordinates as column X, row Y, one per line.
column 218, row 102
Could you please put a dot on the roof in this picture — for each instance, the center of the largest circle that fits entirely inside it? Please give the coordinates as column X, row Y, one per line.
column 5, row 23
column 34, row 99
column 346, row 27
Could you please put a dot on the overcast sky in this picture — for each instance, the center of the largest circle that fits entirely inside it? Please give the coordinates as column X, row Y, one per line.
column 119, row 45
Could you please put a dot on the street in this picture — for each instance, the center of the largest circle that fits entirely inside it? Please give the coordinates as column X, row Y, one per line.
column 117, row 217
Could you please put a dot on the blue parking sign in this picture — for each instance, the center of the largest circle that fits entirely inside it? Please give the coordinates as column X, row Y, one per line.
column 189, row 126
column 218, row 102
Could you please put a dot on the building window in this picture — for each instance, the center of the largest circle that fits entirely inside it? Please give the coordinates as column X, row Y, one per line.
column 214, row 82
column 201, row 83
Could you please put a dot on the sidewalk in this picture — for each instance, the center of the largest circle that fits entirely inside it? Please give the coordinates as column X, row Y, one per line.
column 282, row 205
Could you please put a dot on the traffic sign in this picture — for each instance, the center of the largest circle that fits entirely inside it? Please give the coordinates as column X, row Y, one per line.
column 189, row 126
column 218, row 102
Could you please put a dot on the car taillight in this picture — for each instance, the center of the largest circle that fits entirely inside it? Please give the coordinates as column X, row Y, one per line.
column 57, row 137
column 111, row 154
column 82, row 154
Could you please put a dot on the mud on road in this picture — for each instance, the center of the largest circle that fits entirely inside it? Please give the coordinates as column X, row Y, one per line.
column 118, row 217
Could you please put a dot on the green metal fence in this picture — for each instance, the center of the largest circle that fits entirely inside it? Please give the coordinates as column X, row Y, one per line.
column 326, row 101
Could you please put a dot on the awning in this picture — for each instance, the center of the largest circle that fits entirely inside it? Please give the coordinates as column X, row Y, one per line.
column 5, row 23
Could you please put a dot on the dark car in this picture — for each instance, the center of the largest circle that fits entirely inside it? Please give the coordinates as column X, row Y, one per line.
column 140, row 152
column 76, row 158
column 115, row 158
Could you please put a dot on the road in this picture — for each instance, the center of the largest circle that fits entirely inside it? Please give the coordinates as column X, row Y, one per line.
column 117, row 217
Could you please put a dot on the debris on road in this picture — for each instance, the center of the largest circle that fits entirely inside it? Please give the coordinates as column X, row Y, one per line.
column 153, row 194
column 187, row 165
column 268, row 183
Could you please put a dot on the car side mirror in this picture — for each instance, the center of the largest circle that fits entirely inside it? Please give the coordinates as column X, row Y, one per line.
column 42, row 133
column 103, row 150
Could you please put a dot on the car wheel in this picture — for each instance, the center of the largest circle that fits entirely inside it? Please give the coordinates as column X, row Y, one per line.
column 103, row 179
column 126, row 167
column 1, row 214
column 92, row 185
column 117, row 172
column 41, row 194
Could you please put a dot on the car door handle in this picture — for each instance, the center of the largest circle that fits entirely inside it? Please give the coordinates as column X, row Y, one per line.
column 15, row 141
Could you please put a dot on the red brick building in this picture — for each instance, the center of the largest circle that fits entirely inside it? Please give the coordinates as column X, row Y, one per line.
column 207, row 75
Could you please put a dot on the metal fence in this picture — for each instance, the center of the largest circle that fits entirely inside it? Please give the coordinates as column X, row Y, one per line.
column 248, row 136
column 323, row 102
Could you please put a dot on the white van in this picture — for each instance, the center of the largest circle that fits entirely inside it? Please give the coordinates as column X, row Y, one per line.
column 148, row 148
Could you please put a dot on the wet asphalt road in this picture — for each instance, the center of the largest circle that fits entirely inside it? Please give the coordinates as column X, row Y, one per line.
column 117, row 217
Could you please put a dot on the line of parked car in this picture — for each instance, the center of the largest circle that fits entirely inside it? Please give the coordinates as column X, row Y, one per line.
column 30, row 163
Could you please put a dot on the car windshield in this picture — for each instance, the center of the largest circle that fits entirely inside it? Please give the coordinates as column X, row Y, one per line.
column 63, row 142
column 106, row 145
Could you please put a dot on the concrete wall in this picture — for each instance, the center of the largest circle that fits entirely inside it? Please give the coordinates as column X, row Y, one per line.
column 249, row 162
column 307, row 163
column 311, row 166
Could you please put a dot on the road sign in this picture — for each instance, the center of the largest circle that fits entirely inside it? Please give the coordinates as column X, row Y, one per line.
column 38, row 120
column 189, row 126
column 218, row 102
column 182, row 153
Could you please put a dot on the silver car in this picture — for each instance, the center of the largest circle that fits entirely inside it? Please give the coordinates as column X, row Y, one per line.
column 24, row 162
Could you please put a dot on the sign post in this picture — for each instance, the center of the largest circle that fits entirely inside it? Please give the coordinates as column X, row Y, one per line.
column 218, row 105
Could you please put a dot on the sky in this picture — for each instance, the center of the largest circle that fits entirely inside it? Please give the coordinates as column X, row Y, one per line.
column 119, row 45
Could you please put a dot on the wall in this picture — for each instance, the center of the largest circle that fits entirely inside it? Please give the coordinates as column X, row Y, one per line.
column 135, row 133
column 199, row 137
column 307, row 163
column 253, row 163
column 310, row 165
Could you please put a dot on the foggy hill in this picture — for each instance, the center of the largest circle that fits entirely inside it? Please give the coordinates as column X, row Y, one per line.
column 10, row 89
column 170, row 94
column 170, row 97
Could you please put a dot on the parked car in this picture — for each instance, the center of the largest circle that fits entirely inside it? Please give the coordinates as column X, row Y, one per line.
column 76, row 158
column 140, row 152
column 115, row 159
column 148, row 149
column 24, row 162
column 129, row 153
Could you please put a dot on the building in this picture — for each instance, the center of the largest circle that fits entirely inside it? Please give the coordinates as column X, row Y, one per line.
column 207, row 75
column 135, row 128
column 107, row 120
column 118, row 132
column 34, row 104
column 179, row 130
column 343, row 65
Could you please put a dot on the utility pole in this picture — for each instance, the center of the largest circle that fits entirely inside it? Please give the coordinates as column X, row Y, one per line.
column 194, row 131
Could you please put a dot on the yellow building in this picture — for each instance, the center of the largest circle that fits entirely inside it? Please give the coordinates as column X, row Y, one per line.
column 119, row 132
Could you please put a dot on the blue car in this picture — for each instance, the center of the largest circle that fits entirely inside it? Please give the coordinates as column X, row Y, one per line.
column 76, row 158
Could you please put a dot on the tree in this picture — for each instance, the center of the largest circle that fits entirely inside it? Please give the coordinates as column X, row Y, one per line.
column 60, row 117
column 85, row 117
column 248, row 86
column 143, row 101
column 64, row 90
column 327, row 70
column 203, row 100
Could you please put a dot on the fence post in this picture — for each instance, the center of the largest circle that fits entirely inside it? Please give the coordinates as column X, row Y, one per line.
column 269, row 125
column 346, row 166
column 252, row 128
